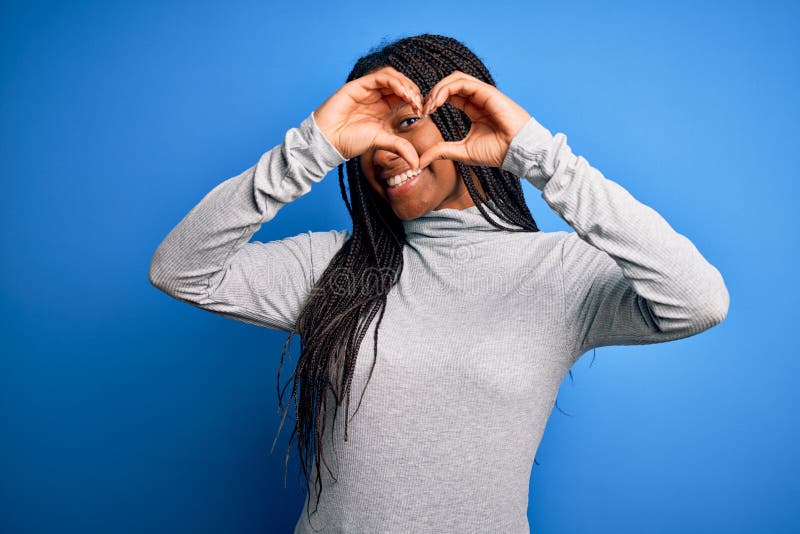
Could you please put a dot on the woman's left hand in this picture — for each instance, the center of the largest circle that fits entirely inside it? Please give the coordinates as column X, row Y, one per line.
column 496, row 119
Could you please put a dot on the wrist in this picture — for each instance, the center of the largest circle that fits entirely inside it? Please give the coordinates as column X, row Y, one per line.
column 322, row 154
column 527, row 153
column 321, row 131
column 517, row 121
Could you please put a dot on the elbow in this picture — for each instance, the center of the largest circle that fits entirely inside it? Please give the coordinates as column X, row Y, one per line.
column 718, row 307
column 155, row 281
column 697, row 314
column 176, row 283
column 157, row 277
column 168, row 284
column 161, row 276
column 713, row 309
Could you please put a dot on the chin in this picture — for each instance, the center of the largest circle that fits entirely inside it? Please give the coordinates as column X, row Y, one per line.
column 407, row 208
column 407, row 213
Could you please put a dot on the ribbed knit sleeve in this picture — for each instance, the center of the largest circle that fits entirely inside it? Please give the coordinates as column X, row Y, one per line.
column 628, row 277
column 208, row 260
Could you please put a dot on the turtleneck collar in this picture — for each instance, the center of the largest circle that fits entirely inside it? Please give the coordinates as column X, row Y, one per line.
column 451, row 223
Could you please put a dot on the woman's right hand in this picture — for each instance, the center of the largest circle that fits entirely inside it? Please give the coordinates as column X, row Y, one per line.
column 353, row 118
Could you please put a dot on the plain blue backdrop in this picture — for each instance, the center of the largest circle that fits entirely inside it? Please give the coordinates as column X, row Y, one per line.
column 124, row 410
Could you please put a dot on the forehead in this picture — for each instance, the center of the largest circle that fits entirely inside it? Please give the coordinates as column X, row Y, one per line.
column 396, row 109
column 396, row 104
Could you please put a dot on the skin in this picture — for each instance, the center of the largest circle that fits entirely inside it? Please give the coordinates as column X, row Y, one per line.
column 438, row 186
column 383, row 119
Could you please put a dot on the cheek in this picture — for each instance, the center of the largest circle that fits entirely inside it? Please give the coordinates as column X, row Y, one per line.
column 368, row 176
column 426, row 138
column 367, row 172
column 445, row 171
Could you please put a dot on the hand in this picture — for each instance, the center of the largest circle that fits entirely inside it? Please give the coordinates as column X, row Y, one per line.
column 352, row 119
column 495, row 121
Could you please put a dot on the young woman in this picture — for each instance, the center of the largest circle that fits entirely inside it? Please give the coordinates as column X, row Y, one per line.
column 480, row 313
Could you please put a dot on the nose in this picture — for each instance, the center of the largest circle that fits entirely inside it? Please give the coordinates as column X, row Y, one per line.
column 386, row 159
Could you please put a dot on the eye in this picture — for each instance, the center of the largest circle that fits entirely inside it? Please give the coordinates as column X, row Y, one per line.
column 408, row 119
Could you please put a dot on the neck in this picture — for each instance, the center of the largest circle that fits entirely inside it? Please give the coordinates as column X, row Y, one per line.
column 444, row 225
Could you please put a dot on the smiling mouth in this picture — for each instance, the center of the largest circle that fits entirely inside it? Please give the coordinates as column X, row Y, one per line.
column 400, row 179
column 404, row 183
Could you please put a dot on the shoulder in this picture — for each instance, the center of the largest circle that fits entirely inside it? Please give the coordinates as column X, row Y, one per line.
column 309, row 251
column 563, row 248
column 541, row 242
column 581, row 259
column 315, row 243
column 323, row 246
column 328, row 239
column 528, row 254
column 574, row 246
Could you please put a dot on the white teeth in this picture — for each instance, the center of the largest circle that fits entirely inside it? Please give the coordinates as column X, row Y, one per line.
column 401, row 178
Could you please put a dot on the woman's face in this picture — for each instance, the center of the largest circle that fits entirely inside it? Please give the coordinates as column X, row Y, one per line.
column 438, row 186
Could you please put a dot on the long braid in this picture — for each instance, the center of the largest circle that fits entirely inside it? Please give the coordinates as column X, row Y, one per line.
column 347, row 297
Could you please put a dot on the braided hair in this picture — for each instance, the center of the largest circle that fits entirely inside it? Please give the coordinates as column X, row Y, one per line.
column 354, row 286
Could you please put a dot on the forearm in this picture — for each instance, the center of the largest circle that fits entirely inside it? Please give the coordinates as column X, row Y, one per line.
column 684, row 292
column 228, row 216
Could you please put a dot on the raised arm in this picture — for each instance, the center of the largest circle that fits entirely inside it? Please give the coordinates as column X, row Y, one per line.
column 208, row 260
column 629, row 278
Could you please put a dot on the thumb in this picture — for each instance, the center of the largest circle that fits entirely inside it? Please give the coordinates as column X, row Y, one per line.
column 399, row 146
column 456, row 150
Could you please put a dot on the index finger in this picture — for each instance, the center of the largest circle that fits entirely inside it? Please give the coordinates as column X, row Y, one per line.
column 399, row 83
column 468, row 94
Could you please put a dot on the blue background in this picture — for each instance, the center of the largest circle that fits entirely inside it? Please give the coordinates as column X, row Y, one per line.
column 124, row 410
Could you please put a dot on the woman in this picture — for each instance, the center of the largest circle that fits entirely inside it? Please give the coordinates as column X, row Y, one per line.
column 482, row 313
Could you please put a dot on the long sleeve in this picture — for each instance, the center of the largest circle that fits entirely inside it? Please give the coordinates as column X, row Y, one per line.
column 208, row 261
column 628, row 277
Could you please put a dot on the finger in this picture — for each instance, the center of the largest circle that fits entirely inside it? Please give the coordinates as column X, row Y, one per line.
column 461, row 102
column 399, row 146
column 447, row 79
column 455, row 150
column 413, row 87
column 398, row 83
column 463, row 87
column 410, row 92
column 469, row 95
column 455, row 75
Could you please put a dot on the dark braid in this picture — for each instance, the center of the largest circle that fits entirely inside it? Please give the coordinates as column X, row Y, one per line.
column 348, row 296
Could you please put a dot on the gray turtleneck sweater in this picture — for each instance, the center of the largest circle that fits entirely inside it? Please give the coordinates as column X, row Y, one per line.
column 477, row 335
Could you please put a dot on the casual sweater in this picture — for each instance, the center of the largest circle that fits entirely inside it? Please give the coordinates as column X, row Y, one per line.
column 477, row 335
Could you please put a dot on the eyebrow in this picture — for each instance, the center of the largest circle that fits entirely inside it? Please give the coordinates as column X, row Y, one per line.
column 395, row 109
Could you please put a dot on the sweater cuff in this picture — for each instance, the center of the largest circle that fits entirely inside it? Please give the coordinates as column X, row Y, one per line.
column 315, row 152
column 527, row 153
